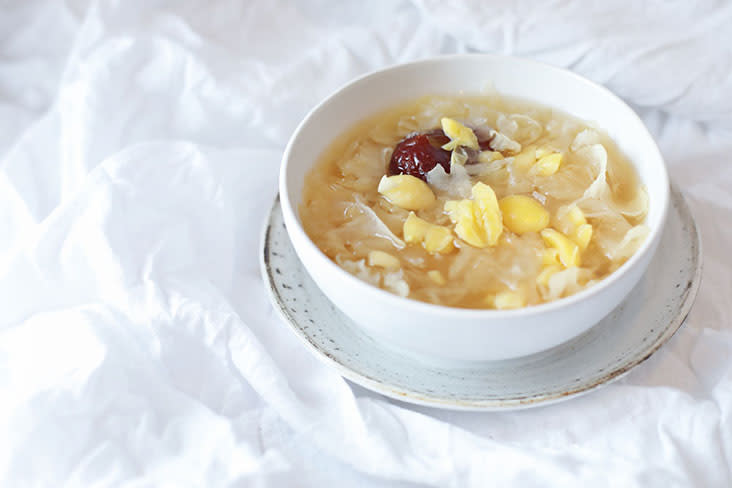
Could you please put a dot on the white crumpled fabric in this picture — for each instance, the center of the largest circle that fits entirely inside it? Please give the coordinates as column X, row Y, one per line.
column 139, row 150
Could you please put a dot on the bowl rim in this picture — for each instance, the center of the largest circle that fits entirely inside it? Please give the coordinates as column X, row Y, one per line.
column 411, row 304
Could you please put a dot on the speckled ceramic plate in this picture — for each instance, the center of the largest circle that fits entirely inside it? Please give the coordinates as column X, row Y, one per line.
column 628, row 336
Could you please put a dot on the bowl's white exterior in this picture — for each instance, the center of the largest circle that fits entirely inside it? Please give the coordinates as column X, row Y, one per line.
column 451, row 333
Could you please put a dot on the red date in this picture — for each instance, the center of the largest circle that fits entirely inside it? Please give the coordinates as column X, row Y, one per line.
column 417, row 154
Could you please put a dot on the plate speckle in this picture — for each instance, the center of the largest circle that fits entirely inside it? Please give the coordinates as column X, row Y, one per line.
column 655, row 309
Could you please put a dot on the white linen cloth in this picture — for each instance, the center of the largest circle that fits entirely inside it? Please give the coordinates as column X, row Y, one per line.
column 139, row 149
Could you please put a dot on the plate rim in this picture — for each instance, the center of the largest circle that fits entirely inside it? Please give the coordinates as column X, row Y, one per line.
column 515, row 403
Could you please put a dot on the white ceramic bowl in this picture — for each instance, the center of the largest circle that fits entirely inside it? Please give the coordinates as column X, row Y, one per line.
column 461, row 334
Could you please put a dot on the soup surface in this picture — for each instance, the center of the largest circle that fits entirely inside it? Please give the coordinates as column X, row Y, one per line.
column 475, row 202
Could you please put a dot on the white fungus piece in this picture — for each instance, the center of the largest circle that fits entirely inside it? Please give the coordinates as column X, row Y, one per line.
column 519, row 126
column 456, row 184
column 586, row 137
column 395, row 283
column 638, row 207
column 408, row 124
column 359, row 270
column 488, row 168
column 631, row 242
column 458, row 157
column 565, row 282
column 596, row 157
column 501, row 142
column 375, row 225
column 560, row 129
column 498, row 141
